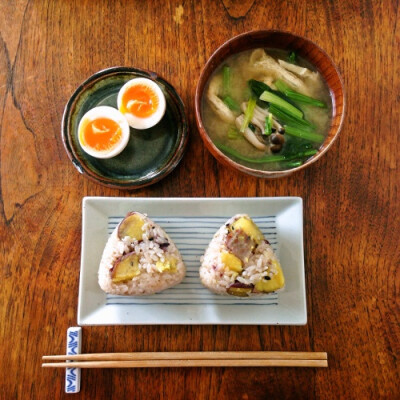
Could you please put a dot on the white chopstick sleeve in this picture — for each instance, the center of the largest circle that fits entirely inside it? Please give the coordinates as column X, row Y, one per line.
column 73, row 375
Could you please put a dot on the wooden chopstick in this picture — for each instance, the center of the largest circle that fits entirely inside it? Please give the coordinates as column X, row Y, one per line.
column 193, row 355
column 191, row 359
column 189, row 363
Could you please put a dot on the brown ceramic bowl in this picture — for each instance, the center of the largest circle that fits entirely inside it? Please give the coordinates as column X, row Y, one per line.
column 286, row 41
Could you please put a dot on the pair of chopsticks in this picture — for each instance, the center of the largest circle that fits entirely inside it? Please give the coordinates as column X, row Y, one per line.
column 189, row 359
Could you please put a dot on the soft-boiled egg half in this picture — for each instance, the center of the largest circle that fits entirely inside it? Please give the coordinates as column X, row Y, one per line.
column 142, row 102
column 103, row 132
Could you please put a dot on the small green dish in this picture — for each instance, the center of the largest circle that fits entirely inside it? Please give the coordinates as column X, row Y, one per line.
column 150, row 155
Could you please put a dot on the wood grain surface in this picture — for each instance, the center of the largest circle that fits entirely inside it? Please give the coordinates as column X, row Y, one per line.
column 351, row 198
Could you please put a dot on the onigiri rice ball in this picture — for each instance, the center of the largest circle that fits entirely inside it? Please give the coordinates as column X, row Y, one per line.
column 139, row 259
column 239, row 261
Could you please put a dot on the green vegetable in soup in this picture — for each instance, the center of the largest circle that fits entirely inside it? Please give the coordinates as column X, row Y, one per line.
column 292, row 57
column 268, row 125
column 292, row 164
column 296, row 96
column 233, row 134
column 296, row 145
column 275, row 100
column 248, row 114
column 302, row 134
column 226, row 90
column 287, row 118
column 268, row 158
column 258, row 88
column 252, row 127
column 232, row 152
column 231, row 103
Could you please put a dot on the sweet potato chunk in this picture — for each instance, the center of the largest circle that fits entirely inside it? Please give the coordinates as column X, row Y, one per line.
column 131, row 226
column 126, row 268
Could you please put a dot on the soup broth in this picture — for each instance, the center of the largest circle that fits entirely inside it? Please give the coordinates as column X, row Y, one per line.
column 283, row 131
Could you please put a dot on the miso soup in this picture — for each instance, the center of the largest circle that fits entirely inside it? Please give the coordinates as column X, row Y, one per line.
column 267, row 109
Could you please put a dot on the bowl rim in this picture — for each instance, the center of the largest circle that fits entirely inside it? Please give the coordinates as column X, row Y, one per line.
column 218, row 154
column 145, row 180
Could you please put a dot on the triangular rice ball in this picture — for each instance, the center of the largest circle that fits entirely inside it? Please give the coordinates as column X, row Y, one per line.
column 239, row 261
column 139, row 259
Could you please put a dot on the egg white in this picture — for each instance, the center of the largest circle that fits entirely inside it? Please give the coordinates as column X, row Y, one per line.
column 148, row 122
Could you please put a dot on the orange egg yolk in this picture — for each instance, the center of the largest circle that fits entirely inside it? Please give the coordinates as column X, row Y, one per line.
column 139, row 100
column 101, row 134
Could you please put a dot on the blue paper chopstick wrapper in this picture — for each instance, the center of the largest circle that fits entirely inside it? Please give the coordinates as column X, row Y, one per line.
column 73, row 375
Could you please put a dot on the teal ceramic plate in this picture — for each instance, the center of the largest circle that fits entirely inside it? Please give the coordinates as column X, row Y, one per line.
column 150, row 155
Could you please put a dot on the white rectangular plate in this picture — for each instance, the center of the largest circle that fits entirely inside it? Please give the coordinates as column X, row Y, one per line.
column 191, row 224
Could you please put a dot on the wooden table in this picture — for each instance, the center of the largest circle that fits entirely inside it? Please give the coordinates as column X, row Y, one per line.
column 351, row 198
